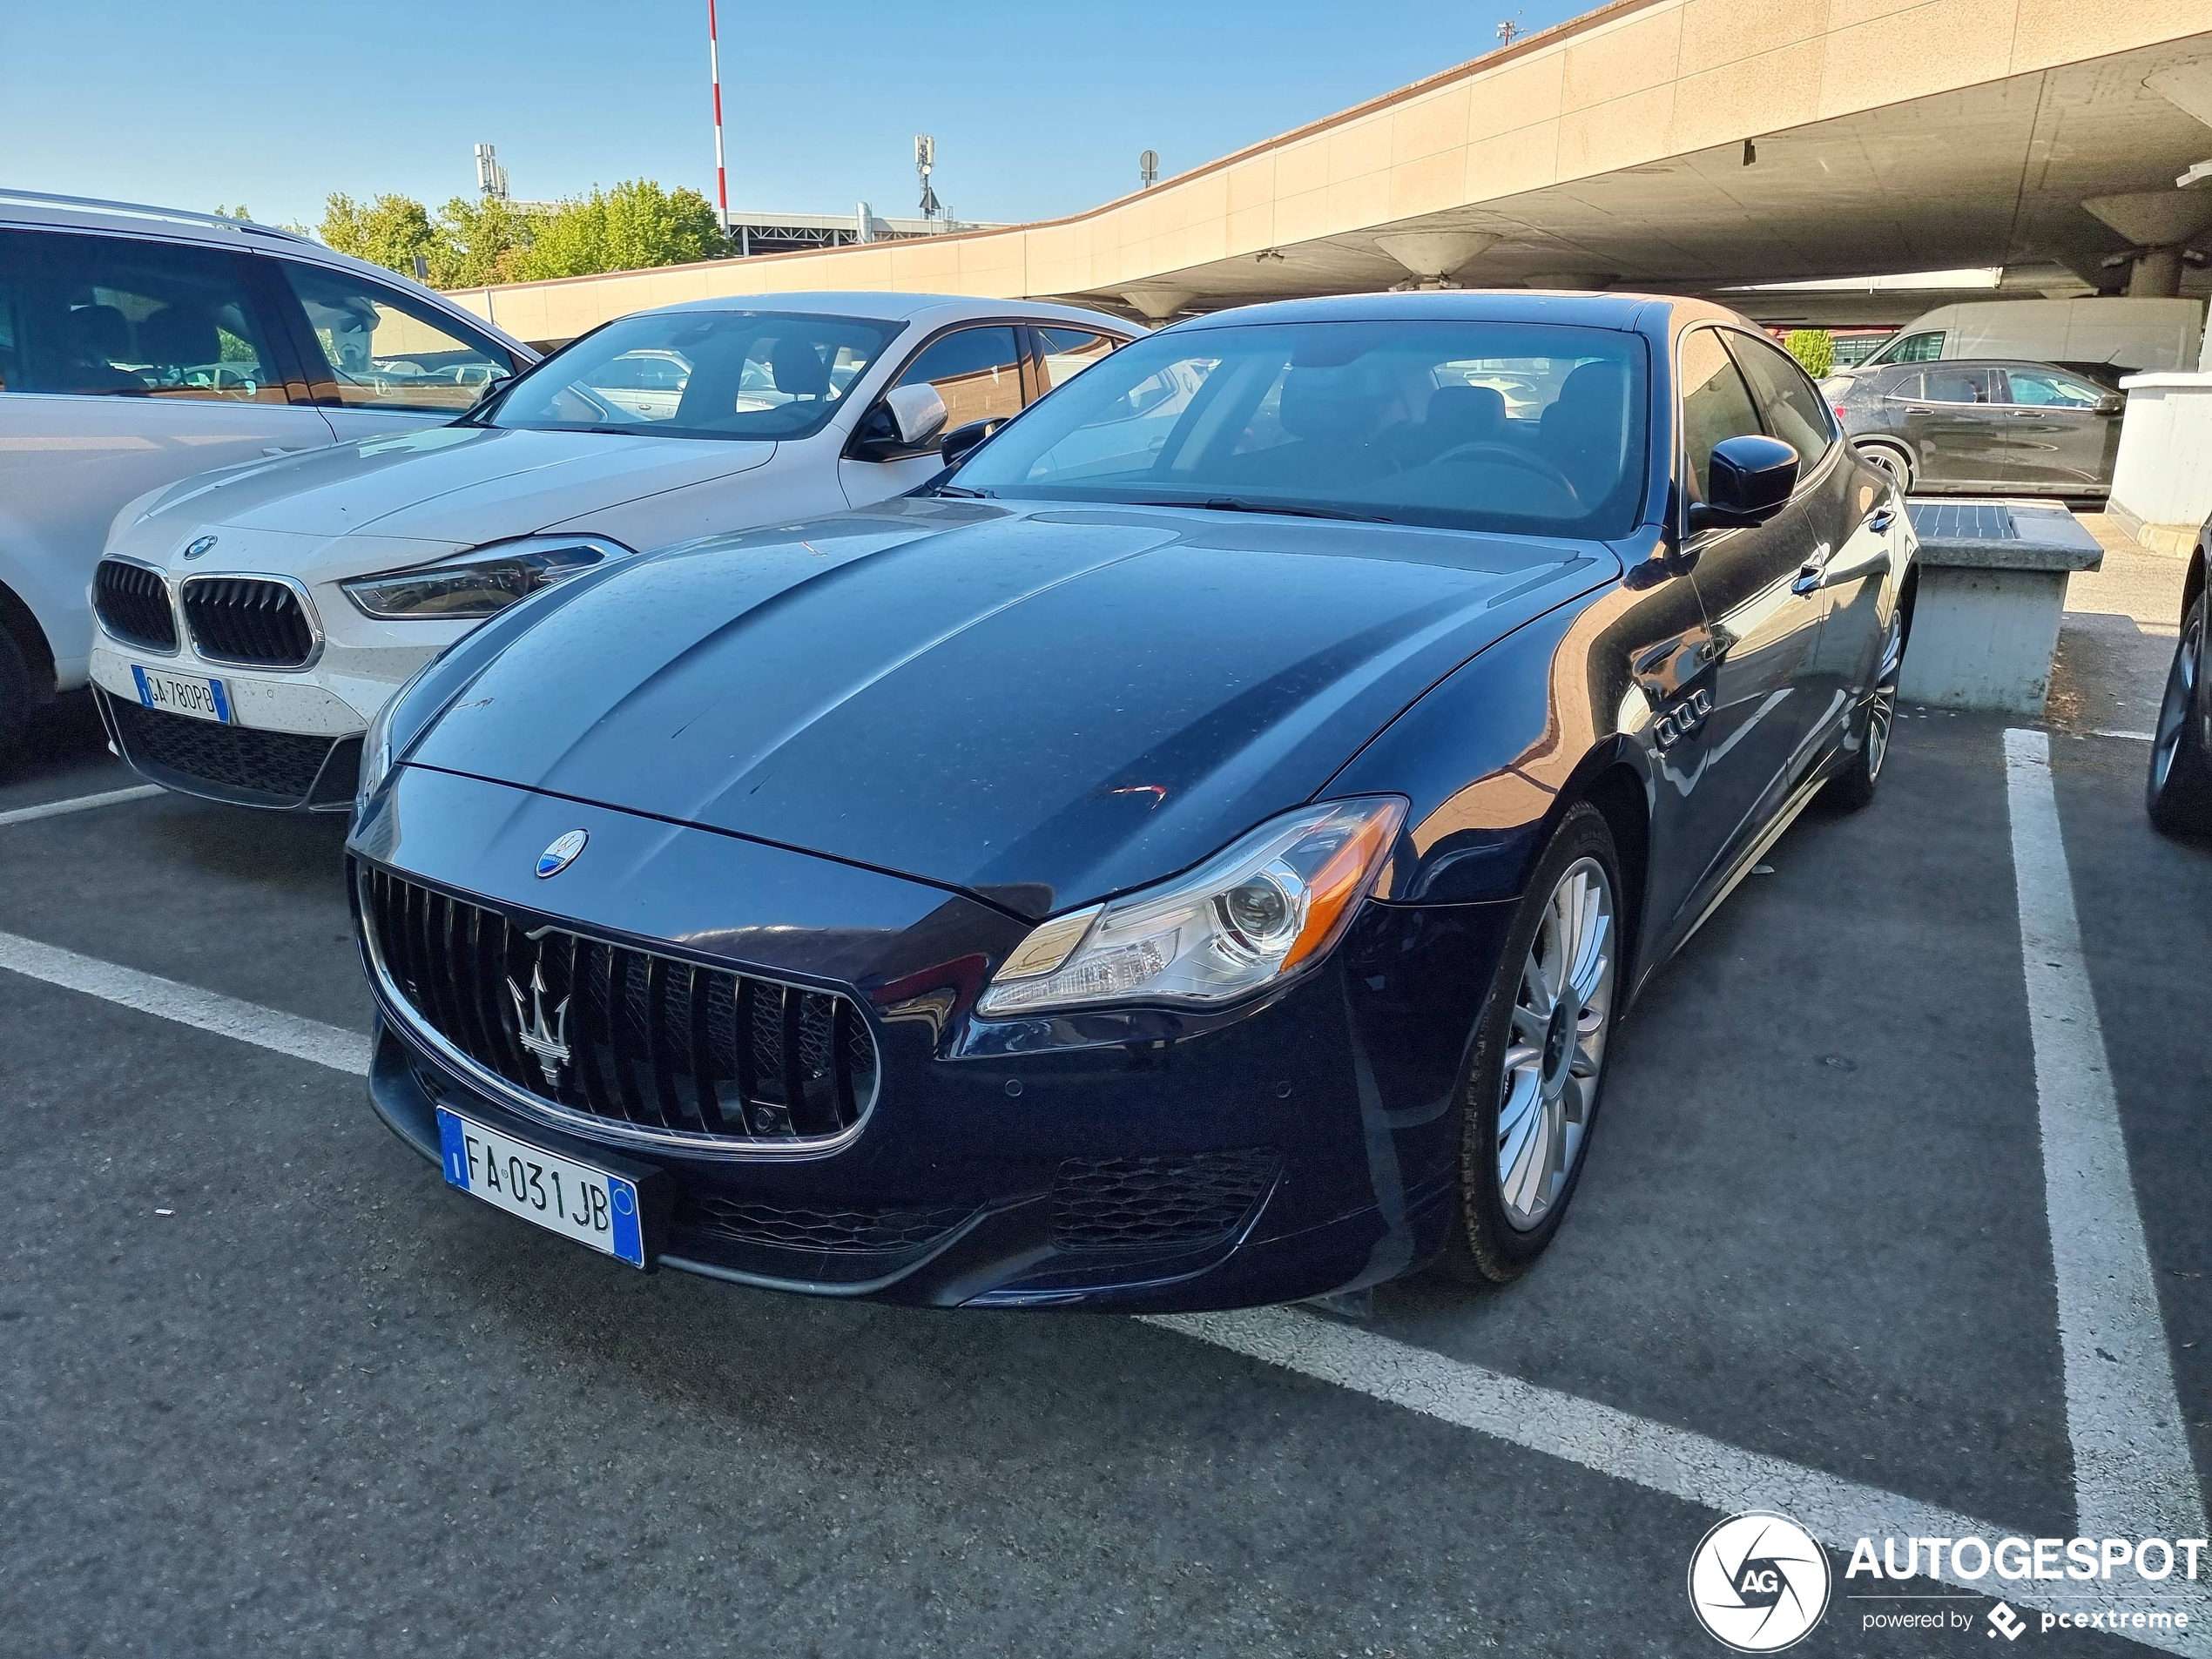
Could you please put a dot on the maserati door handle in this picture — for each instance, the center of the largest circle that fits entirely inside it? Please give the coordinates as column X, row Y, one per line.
column 1809, row 577
column 1882, row 518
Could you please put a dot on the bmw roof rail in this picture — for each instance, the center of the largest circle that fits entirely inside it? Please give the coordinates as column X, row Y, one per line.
column 181, row 215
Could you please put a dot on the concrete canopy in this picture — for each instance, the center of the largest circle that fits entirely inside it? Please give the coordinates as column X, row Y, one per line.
column 1685, row 145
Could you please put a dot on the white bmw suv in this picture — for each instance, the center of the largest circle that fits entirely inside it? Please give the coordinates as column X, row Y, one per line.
column 142, row 345
column 253, row 621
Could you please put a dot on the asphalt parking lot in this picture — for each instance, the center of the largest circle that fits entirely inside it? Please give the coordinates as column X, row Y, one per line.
column 267, row 1388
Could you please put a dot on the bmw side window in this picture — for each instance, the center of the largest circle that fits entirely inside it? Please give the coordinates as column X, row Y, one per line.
column 1715, row 404
column 976, row 371
column 1063, row 353
column 1793, row 407
column 111, row 316
column 382, row 350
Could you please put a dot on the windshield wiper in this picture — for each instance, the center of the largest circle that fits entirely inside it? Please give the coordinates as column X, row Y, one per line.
column 1238, row 504
column 962, row 490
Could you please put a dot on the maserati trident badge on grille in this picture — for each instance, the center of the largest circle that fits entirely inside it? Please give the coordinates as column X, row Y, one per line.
column 557, row 857
column 206, row 543
column 550, row 1044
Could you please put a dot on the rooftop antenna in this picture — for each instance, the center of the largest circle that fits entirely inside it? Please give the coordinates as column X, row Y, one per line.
column 1509, row 31
column 491, row 178
column 714, row 74
column 1148, row 168
column 926, row 163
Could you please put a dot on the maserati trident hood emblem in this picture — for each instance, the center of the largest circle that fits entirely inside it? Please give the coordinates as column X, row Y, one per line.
column 557, row 857
column 548, row 1043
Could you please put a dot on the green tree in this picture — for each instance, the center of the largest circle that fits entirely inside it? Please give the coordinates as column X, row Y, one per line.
column 481, row 242
column 237, row 211
column 389, row 231
column 1814, row 348
column 633, row 226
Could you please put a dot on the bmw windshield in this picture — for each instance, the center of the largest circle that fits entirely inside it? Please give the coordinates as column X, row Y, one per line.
column 758, row 374
column 1528, row 428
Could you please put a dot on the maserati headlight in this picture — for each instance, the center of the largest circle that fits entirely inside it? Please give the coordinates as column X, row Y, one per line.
column 376, row 750
column 1269, row 906
column 478, row 584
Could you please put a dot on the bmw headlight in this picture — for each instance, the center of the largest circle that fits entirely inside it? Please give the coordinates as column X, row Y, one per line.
column 1259, row 912
column 478, row 584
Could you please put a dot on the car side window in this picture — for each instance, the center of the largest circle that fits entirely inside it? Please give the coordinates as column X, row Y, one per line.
column 1960, row 386
column 976, row 371
column 1917, row 349
column 1715, row 403
column 1063, row 353
column 2039, row 388
column 91, row 316
column 1790, row 402
column 384, row 350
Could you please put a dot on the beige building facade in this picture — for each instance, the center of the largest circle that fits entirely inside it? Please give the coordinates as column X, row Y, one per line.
column 1679, row 145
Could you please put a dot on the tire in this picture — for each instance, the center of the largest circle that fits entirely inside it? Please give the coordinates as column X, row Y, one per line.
column 1852, row 788
column 1889, row 459
column 1530, row 1092
column 2178, row 794
column 15, row 698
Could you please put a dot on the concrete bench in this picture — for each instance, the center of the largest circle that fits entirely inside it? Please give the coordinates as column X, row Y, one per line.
column 1992, row 585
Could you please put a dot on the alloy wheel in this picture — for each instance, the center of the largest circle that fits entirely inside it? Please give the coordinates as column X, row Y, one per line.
column 2179, row 706
column 1555, row 1053
column 1887, row 460
column 1881, row 709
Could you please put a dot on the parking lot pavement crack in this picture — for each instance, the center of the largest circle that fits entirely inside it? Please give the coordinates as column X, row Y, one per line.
column 2132, row 1468
column 287, row 1034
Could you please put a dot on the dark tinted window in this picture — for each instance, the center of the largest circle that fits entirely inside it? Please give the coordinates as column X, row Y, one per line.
column 1924, row 347
column 111, row 315
column 1065, row 352
column 976, row 371
column 1715, row 403
column 1790, row 402
column 1533, row 428
column 743, row 375
column 2046, row 389
column 387, row 350
column 1960, row 386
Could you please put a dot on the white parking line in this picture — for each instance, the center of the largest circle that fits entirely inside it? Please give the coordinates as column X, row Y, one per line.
column 80, row 804
column 1664, row 1458
column 326, row 1045
column 1658, row 1456
column 2132, row 1470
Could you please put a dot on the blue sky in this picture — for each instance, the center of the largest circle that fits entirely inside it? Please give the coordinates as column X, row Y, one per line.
column 1038, row 109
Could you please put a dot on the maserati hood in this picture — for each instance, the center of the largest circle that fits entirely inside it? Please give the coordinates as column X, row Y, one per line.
column 1039, row 706
column 451, row 484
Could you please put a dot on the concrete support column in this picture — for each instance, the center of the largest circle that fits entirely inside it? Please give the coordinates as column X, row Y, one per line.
column 1158, row 305
column 2157, row 274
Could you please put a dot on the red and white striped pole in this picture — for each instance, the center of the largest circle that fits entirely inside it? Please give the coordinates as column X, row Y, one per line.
column 714, row 71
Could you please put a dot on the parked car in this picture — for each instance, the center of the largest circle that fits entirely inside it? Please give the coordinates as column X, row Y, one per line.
column 2179, row 792
column 1174, row 859
column 141, row 345
column 2134, row 335
column 1986, row 428
column 253, row 621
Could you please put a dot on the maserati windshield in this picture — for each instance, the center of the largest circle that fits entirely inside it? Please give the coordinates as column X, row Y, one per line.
column 1530, row 427
column 763, row 374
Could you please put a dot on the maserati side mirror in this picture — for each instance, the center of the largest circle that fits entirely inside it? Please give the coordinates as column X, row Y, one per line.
column 1748, row 479
column 961, row 439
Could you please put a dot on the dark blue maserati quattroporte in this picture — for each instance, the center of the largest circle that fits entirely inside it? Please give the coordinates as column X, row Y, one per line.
column 1193, row 853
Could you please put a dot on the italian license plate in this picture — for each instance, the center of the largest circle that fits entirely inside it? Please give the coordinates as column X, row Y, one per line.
column 596, row 1209
column 187, row 694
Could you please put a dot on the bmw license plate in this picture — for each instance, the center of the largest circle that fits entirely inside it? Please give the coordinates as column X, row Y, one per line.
column 596, row 1209
column 192, row 695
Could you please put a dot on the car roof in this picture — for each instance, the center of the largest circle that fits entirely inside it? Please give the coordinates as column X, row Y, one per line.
column 36, row 210
column 901, row 307
column 1589, row 310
